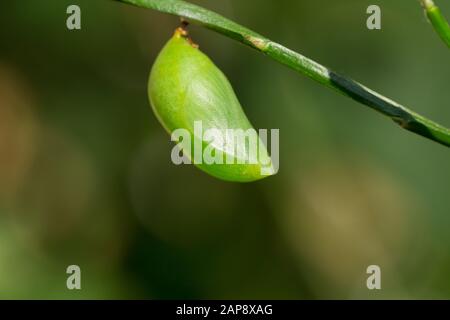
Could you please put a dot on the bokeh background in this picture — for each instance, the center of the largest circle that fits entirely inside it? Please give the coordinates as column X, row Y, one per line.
column 86, row 176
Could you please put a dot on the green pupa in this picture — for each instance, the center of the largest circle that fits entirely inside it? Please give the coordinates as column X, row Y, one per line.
column 186, row 89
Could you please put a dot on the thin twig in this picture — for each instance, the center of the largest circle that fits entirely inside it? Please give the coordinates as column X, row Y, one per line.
column 438, row 21
column 406, row 118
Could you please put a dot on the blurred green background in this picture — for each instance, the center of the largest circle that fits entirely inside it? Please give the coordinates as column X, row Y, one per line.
column 86, row 176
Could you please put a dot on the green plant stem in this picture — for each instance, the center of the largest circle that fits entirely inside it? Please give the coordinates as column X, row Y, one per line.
column 406, row 118
column 438, row 21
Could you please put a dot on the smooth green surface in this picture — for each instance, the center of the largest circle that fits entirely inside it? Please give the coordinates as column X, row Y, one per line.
column 186, row 87
column 406, row 118
column 438, row 21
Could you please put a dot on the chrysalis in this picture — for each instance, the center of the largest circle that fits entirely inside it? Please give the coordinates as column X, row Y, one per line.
column 195, row 102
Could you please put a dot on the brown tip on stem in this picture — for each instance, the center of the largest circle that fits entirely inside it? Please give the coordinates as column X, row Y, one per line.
column 184, row 23
column 182, row 32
